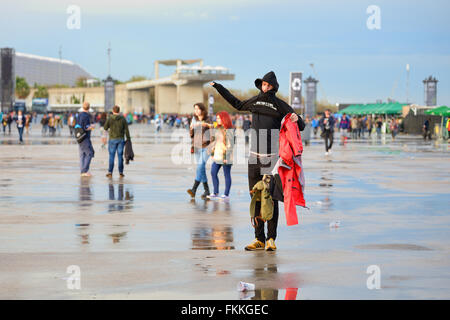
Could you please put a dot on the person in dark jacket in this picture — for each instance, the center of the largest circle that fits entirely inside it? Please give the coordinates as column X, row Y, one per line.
column 85, row 147
column 118, row 129
column 20, row 121
column 267, row 113
column 129, row 153
column 327, row 127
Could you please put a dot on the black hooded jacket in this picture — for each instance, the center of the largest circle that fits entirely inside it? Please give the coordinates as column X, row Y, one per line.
column 267, row 112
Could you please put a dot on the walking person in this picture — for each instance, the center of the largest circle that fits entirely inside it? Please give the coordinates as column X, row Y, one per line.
column 44, row 122
column 315, row 125
column 201, row 138
column 378, row 124
column 118, row 129
column 369, row 125
column 327, row 127
column 51, row 125
column 267, row 113
column 86, row 149
column 354, row 126
column 58, row 124
column 222, row 153
column 10, row 119
column 158, row 123
column 247, row 124
column 103, row 132
column 393, row 127
column 426, row 130
column 71, row 122
column 27, row 123
column 4, row 122
column 20, row 121
column 360, row 128
column 344, row 126
column 447, row 125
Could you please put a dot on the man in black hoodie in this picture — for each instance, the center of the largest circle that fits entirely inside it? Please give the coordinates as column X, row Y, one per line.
column 267, row 113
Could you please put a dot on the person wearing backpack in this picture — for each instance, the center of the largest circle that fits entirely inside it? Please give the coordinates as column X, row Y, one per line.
column 85, row 147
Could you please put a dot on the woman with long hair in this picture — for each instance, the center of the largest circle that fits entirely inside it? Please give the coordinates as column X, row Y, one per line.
column 222, row 153
column 200, row 135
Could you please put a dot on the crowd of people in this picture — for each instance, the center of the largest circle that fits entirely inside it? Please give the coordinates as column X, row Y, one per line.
column 352, row 127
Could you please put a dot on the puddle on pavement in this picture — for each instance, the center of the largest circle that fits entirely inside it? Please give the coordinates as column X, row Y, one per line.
column 84, row 231
column 123, row 199
column 116, row 237
column 212, row 238
column 121, row 196
column 83, row 234
column 393, row 246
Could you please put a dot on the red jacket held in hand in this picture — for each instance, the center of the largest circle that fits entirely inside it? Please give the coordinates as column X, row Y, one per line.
column 289, row 168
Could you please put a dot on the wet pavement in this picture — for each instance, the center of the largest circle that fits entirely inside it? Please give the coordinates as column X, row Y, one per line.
column 141, row 237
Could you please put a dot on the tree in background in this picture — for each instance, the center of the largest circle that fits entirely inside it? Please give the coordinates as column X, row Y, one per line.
column 75, row 100
column 81, row 82
column 22, row 88
column 323, row 104
column 137, row 78
column 41, row 91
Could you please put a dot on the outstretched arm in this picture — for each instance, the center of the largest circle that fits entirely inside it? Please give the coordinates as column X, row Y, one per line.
column 235, row 102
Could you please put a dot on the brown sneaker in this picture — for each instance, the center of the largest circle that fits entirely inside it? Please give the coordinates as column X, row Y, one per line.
column 109, row 175
column 255, row 245
column 122, row 175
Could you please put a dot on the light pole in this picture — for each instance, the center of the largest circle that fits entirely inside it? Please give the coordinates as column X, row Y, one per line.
column 109, row 58
column 407, row 83
column 59, row 74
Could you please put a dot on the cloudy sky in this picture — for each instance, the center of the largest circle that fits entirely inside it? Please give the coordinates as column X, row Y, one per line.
column 250, row 37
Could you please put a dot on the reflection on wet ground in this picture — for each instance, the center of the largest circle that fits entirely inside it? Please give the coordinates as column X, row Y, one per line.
column 85, row 193
column 124, row 201
column 116, row 237
column 269, row 294
column 84, row 231
column 212, row 238
column 120, row 201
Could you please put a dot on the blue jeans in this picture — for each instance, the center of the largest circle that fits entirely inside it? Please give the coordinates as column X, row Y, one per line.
column 20, row 134
column 86, row 154
column 215, row 167
column 115, row 145
column 201, row 157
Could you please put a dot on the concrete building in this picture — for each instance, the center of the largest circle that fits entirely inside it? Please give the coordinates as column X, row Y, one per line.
column 178, row 92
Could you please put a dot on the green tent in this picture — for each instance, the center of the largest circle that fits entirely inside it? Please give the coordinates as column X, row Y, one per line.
column 351, row 109
column 374, row 108
column 394, row 108
column 443, row 111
